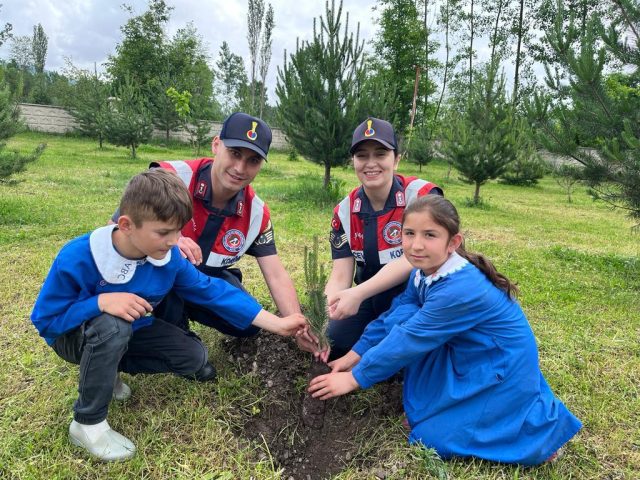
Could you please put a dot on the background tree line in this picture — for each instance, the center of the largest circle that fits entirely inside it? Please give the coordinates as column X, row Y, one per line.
column 460, row 79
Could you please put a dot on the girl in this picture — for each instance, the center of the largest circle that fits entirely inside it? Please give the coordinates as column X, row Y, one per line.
column 472, row 384
column 365, row 235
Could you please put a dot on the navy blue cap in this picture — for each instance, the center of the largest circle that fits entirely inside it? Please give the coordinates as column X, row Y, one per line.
column 242, row 130
column 375, row 129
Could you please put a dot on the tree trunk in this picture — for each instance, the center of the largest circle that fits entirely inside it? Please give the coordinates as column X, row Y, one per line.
column 518, row 53
column 133, row 151
column 476, row 195
column 327, row 175
column 426, row 64
column 446, row 67
column 494, row 41
column 471, row 33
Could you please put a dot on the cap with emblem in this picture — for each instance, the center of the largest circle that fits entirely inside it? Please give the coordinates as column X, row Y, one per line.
column 242, row 130
column 375, row 129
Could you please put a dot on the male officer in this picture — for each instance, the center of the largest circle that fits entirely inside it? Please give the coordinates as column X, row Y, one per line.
column 229, row 220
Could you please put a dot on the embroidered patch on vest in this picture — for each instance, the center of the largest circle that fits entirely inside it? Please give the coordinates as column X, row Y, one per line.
column 240, row 208
column 201, row 190
column 392, row 233
column 357, row 205
column 233, row 240
column 400, row 199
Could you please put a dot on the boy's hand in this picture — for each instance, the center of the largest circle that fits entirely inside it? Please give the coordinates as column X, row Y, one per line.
column 343, row 304
column 127, row 306
column 345, row 363
column 291, row 325
column 332, row 385
column 190, row 250
column 285, row 326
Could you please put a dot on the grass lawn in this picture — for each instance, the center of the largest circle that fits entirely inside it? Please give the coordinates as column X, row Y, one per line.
column 577, row 265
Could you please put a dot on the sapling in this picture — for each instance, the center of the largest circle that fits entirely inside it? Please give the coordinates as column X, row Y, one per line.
column 316, row 312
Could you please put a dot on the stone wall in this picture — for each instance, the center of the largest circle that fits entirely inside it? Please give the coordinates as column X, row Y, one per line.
column 46, row 118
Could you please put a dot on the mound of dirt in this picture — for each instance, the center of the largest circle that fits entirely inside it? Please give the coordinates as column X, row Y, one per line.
column 304, row 452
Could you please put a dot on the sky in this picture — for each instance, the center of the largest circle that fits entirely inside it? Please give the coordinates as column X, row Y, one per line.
column 87, row 31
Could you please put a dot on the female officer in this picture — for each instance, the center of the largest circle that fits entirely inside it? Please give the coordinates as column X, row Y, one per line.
column 365, row 235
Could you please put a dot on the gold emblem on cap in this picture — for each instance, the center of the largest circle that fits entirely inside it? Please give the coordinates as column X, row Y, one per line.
column 369, row 131
column 251, row 134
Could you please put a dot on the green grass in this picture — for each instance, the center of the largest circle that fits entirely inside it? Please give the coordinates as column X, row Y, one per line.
column 577, row 265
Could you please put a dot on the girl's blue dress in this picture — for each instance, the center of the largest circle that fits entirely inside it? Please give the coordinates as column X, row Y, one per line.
column 472, row 383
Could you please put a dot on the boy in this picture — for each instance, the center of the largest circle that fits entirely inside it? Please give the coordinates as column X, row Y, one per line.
column 95, row 306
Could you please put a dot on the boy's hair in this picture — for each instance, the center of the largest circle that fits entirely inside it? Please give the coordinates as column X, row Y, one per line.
column 445, row 214
column 157, row 194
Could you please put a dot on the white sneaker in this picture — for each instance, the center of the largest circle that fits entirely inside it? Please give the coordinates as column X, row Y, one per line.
column 121, row 390
column 109, row 446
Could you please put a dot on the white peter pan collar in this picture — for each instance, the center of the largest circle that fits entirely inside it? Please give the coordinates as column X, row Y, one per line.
column 454, row 263
column 113, row 267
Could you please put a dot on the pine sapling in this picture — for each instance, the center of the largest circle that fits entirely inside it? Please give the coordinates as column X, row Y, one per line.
column 316, row 312
column 315, row 280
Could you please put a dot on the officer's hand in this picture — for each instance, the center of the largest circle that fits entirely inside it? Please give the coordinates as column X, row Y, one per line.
column 308, row 342
column 190, row 250
column 124, row 305
column 343, row 304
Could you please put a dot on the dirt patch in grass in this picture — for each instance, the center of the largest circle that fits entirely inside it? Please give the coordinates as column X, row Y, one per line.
column 305, row 452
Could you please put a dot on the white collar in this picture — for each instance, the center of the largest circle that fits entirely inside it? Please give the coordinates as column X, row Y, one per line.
column 454, row 263
column 113, row 267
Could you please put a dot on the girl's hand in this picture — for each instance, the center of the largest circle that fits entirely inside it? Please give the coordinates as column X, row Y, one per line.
column 332, row 385
column 344, row 303
column 345, row 363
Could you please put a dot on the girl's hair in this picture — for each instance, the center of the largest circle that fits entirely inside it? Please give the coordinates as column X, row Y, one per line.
column 445, row 214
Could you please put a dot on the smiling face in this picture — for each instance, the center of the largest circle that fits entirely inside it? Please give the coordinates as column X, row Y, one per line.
column 233, row 169
column 426, row 244
column 374, row 165
column 153, row 238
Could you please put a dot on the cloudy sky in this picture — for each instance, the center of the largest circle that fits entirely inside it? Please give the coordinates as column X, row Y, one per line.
column 87, row 31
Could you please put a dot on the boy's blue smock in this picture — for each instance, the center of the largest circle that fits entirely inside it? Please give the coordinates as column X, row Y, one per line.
column 473, row 385
column 90, row 265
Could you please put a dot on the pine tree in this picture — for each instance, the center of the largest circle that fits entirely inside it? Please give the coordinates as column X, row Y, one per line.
column 89, row 104
column 595, row 118
column 484, row 139
column 12, row 162
column 319, row 90
column 128, row 122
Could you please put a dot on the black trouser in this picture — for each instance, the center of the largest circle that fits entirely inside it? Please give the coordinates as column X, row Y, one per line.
column 177, row 311
column 106, row 344
column 346, row 332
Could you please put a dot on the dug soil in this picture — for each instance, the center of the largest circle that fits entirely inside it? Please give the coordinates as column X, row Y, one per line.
column 303, row 441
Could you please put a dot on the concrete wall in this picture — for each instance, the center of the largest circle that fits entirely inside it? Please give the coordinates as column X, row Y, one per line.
column 46, row 118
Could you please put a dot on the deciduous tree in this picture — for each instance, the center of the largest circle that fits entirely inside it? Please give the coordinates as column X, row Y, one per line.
column 39, row 43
